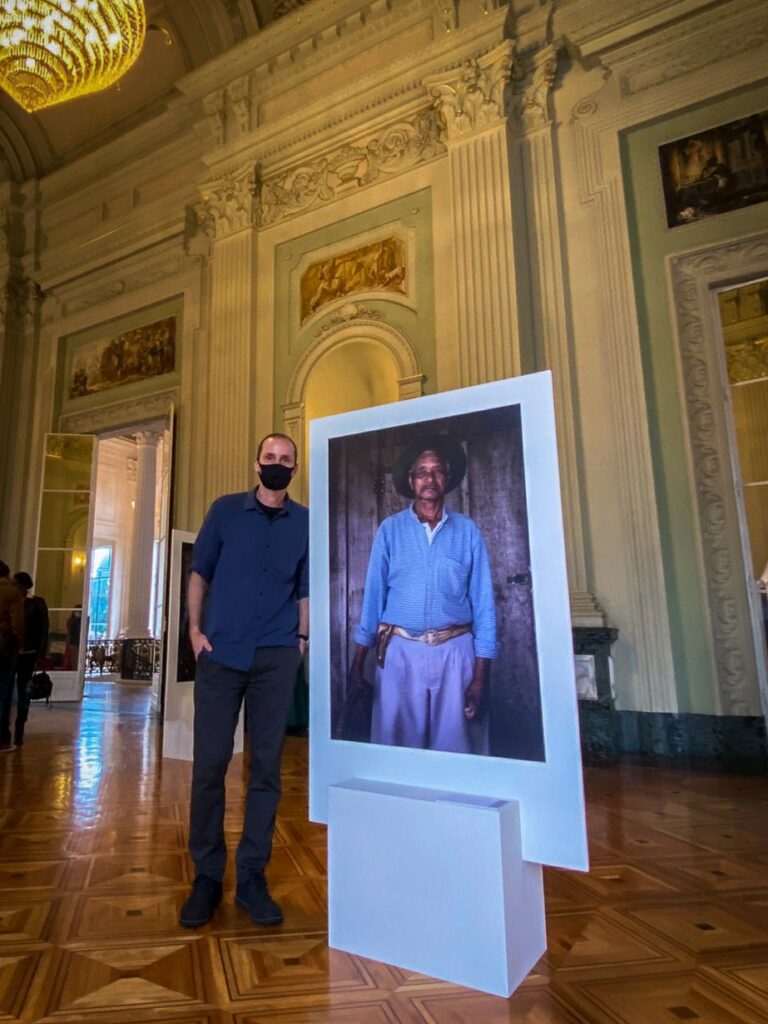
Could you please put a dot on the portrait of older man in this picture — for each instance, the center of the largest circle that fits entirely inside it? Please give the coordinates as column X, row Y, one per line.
column 428, row 609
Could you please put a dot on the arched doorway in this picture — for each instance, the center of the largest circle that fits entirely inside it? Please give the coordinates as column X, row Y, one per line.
column 359, row 365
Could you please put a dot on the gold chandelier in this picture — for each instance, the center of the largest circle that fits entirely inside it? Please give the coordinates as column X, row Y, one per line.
column 56, row 50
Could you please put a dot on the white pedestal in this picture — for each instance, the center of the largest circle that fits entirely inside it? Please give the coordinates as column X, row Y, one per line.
column 179, row 735
column 67, row 685
column 433, row 882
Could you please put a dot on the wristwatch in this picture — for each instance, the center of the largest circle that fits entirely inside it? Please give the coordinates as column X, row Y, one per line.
column 304, row 637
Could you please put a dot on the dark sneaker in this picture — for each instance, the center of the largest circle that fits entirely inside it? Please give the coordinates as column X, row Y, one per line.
column 203, row 900
column 253, row 896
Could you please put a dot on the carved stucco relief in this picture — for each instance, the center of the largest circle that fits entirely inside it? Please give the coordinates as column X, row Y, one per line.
column 119, row 414
column 694, row 276
column 404, row 144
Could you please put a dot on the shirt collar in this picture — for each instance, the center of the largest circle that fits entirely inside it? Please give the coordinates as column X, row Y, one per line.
column 445, row 515
column 251, row 503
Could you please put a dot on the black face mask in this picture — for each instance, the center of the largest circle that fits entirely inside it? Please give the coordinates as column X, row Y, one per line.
column 274, row 476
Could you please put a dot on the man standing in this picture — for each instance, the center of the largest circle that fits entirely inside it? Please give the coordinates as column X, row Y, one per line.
column 249, row 626
column 429, row 608
column 11, row 639
column 33, row 650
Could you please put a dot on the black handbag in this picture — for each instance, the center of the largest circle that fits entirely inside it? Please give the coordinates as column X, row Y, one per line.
column 40, row 687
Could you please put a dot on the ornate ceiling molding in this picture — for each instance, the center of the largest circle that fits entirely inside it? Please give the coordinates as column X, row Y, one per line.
column 239, row 92
column 701, row 41
column 120, row 414
column 165, row 261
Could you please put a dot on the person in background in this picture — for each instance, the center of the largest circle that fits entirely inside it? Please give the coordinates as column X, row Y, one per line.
column 72, row 648
column 33, row 650
column 11, row 639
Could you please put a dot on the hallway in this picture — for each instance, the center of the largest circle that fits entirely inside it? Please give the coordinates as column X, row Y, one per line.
column 669, row 926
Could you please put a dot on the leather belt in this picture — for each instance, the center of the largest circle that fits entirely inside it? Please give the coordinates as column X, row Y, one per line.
column 433, row 637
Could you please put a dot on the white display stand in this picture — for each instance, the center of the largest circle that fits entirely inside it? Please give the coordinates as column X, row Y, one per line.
column 433, row 882
column 67, row 686
column 435, row 858
column 179, row 710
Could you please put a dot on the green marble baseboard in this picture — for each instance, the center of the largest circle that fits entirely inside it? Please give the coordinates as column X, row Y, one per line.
column 696, row 741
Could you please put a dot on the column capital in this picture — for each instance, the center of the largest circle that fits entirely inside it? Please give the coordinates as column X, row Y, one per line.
column 145, row 438
column 21, row 301
column 230, row 202
column 471, row 97
column 533, row 75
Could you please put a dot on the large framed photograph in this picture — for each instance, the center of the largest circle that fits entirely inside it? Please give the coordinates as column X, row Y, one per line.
column 442, row 654
column 180, row 659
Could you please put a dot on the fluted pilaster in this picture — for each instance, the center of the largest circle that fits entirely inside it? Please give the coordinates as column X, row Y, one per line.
column 532, row 80
column 472, row 104
column 229, row 212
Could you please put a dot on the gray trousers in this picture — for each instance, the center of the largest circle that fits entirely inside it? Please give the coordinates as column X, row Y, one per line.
column 419, row 696
column 267, row 688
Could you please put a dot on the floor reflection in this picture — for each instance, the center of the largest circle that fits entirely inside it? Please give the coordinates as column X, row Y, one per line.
column 669, row 924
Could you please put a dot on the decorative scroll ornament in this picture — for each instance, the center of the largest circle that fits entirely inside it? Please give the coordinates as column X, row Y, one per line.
column 52, row 51
column 532, row 81
column 347, row 314
column 230, row 203
column 471, row 97
column 401, row 146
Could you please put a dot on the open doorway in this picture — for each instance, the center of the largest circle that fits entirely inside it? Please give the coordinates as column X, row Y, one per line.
column 125, row 596
column 744, row 322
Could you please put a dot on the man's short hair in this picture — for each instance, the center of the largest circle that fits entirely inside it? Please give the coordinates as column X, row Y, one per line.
column 283, row 437
column 24, row 580
column 5, row 570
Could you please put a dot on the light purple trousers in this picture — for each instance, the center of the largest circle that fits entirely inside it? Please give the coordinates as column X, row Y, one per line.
column 419, row 697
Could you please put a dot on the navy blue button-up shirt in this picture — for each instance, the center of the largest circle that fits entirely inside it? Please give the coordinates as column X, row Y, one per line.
column 257, row 569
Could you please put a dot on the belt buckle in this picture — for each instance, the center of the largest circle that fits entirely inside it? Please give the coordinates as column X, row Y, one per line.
column 430, row 637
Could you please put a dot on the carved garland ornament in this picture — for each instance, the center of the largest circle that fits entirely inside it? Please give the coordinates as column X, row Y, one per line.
column 723, row 558
column 403, row 145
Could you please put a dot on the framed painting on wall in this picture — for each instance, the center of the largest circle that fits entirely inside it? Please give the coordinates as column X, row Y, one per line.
column 715, row 171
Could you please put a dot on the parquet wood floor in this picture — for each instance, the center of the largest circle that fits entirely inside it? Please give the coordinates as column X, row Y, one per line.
column 670, row 925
